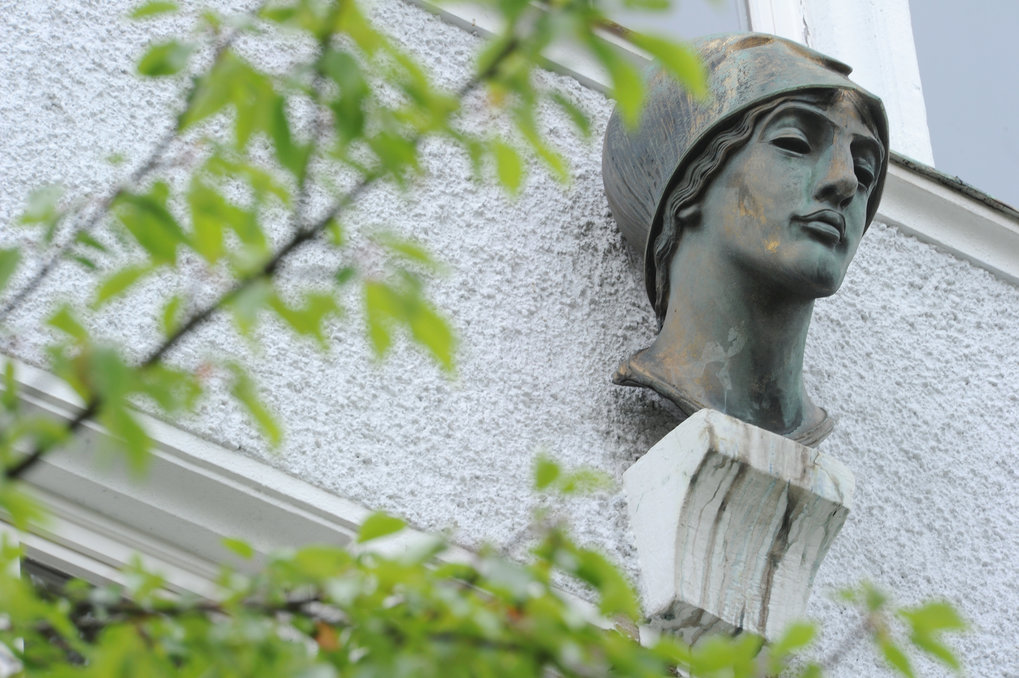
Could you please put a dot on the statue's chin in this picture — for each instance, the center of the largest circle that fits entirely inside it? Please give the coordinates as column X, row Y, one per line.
column 815, row 279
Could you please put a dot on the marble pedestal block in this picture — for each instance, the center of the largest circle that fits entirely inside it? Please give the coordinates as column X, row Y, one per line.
column 732, row 522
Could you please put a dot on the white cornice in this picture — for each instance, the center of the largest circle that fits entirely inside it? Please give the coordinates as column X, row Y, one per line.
column 193, row 494
column 918, row 203
column 175, row 516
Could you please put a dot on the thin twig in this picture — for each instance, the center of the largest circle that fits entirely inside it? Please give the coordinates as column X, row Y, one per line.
column 854, row 639
column 152, row 162
column 318, row 129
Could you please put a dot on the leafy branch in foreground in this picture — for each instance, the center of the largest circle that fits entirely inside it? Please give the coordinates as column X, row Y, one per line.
column 372, row 104
column 330, row 611
column 253, row 161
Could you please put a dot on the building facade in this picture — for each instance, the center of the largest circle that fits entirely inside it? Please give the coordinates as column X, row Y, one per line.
column 916, row 354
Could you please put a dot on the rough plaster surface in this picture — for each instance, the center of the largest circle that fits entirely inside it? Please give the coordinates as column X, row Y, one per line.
column 916, row 354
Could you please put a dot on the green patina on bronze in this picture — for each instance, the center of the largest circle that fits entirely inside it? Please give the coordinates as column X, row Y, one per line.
column 748, row 205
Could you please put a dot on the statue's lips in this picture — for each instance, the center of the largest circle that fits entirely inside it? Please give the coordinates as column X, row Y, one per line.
column 827, row 224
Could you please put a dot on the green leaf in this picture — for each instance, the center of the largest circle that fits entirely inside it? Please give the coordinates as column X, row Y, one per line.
column 119, row 282
column 9, row 259
column 254, row 99
column 210, row 214
column 379, row 525
column 133, row 439
column 796, row 637
column 171, row 314
column 627, row 83
column 173, row 390
column 42, row 206
column 508, row 166
column 345, row 274
column 110, row 375
column 934, row 616
column 431, row 331
column 812, row 670
column 292, row 155
column 934, row 648
column 239, row 547
column 583, row 481
column 146, row 217
column 65, row 321
column 651, row 5
column 249, row 302
column 396, row 154
column 279, row 15
column 546, row 471
column 261, row 182
column 578, row 116
column 873, row 597
column 84, row 261
column 308, row 318
column 351, row 21
column 407, row 249
column 349, row 107
column 927, row 622
column 380, row 307
column 22, row 511
column 246, row 393
column 528, row 126
column 627, row 90
column 167, row 58
column 153, row 8
column 322, row 562
column 90, row 242
column 679, row 60
column 713, row 655
column 895, row 657
column 334, row 232
column 617, row 597
column 214, row 91
column 10, row 394
column 41, row 430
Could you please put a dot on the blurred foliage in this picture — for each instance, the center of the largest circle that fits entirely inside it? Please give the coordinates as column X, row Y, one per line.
column 323, row 611
column 329, row 611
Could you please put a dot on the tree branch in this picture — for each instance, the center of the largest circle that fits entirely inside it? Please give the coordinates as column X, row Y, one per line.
column 153, row 161
column 297, row 240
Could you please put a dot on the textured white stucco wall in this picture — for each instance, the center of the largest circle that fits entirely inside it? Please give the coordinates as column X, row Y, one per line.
column 916, row 354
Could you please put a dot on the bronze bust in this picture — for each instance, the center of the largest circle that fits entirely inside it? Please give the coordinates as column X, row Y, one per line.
column 748, row 205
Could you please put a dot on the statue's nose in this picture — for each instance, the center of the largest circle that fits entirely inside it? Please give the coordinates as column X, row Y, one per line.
column 837, row 182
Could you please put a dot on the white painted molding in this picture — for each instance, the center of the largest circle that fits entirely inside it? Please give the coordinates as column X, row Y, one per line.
column 194, row 494
column 778, row 17
column 875, row 37
column 970, row 226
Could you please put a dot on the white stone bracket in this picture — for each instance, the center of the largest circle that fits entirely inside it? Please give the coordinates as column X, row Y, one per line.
column 732, row 523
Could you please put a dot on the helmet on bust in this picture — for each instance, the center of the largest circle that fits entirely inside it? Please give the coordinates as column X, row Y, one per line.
column 642, row 166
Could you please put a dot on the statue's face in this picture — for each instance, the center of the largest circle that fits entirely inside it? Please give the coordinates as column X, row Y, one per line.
column 790, row 206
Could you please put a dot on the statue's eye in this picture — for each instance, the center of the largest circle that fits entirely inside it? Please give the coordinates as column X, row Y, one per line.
column 793, row 144
column 865, row 176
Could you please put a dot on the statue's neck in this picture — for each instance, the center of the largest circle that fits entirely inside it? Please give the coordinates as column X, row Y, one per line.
column 734, row 345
